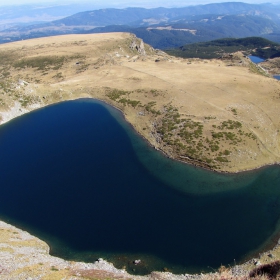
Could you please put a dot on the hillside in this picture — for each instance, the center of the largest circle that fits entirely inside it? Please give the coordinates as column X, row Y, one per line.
column 196, row 29
column 219, row 114
column 162, row 28
column 209, row 113
column 140, row 16
column 214, row 49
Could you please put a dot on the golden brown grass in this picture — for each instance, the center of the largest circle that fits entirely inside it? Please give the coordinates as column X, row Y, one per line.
column 183, row 107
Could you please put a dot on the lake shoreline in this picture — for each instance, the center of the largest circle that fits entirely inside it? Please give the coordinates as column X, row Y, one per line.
column 123, row 116
column 191, row 162
column 177, row 118
column 36, row 253
column 17, row 111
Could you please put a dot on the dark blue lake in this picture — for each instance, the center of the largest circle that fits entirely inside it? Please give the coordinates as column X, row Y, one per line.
column 77, row 175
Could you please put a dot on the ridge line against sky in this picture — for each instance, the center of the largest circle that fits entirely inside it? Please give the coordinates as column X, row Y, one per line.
column 125, row 3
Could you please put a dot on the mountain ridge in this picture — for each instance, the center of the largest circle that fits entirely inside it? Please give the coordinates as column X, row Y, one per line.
column 164, row 27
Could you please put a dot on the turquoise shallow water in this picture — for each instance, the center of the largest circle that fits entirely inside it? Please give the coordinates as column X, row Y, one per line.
column 77, row 175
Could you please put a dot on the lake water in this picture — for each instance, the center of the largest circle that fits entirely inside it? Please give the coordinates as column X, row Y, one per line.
column 256, row 59
column 77, row 175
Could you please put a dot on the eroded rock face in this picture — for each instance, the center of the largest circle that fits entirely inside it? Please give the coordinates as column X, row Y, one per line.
column 138, row 44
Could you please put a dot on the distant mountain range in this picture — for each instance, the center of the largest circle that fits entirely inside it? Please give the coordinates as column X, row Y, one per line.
column 164, row 28
column 21, row 15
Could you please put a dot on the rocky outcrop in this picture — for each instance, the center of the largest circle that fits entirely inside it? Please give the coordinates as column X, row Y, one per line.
column 17, row 110
column 23, row 256
column 138, row 44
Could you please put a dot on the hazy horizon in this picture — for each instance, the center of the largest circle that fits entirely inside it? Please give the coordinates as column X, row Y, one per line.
column 124, row 3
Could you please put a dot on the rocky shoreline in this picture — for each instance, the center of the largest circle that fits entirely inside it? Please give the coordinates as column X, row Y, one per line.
column 17, row 110
column 23, row 256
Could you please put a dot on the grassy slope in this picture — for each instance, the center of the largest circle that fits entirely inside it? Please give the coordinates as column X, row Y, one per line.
column 217, row 114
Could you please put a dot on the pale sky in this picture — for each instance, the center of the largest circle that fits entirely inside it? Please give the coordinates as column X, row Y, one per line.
column 133, row 3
